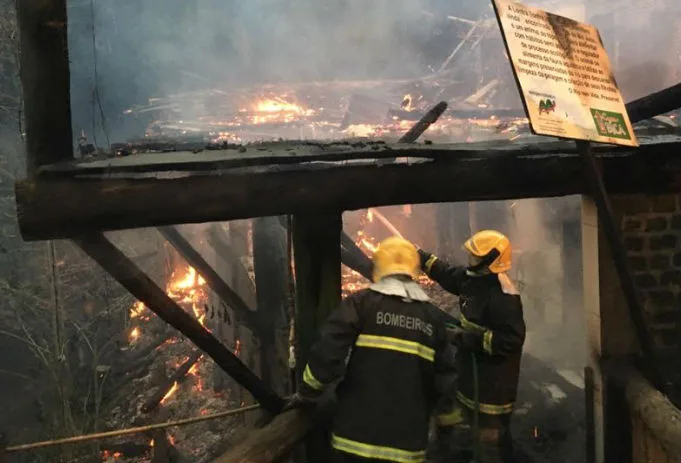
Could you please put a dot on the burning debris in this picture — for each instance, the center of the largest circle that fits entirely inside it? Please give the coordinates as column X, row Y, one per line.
column 173, row 386
column 328, row 111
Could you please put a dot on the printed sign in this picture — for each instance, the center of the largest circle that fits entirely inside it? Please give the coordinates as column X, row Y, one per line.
column 564, row 76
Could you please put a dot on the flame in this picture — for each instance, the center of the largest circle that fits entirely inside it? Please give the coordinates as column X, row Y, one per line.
column 368, row 244
column 277, row 105
column 353, row 281
column 407, row 103
column 134, row 335
column 535, row 432
column 170, row 393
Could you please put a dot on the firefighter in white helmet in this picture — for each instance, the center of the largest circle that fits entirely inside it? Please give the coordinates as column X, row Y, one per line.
column 400, row 364
column 489, row 335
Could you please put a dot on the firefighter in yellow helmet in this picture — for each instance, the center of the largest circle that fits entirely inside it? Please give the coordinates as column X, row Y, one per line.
column 400, row 363
column 489, row 334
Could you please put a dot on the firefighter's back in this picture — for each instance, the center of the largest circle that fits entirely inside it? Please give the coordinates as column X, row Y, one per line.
column 388, row 391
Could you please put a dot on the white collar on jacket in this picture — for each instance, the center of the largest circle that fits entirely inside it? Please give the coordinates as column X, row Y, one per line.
column 401, row 287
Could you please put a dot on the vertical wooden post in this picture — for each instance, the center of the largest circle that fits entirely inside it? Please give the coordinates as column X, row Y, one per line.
column 454, row 228
column 270, row 262
column 622, row 266
column 45, row 81
column 316, row 249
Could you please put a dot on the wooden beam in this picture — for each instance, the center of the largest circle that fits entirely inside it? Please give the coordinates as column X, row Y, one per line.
column 353, row 257
column 270, row 264
column 655, row 104
column 119, row 266
column 67, row 206
column 45, row 80
column 316, row 250
column 622, row 264
column 213, row 280
column 273, row 442
column 219, row 241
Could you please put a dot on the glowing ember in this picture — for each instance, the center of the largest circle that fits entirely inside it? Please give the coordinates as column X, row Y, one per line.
column 194, row 370
column 171, row 439
column 108, row 456
column 407, row 103
column 535, row 432
column 368, row 245
column 134, row 335
column 170, row 393
column 237, row 348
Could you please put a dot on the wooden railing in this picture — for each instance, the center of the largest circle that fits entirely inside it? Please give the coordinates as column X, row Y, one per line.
column 655, row 421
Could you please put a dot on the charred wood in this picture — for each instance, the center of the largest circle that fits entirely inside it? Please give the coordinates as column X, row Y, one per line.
column 273, row 442
column 353, row 257
column 420, row 127
column 316, row 241
column 59, row 208
column 661, row 418
column 45, row 80
column 214, row 281
column 655, row 104
column 144, row 289
column 177, row 377
column 270, row 268
column 424, row 123
column 218, row 241
column 472, row 113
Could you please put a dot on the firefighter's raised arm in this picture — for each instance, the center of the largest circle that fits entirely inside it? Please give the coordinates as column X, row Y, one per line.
column 326, row 360
column 446, row 275
column 505, row 334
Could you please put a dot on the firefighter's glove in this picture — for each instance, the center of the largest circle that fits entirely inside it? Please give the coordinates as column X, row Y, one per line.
column 299, row 400
column 424, row 256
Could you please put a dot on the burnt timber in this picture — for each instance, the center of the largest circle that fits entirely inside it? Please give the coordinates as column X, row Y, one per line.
column 160, row 189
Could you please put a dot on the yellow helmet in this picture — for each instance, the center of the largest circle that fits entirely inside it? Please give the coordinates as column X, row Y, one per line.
column 493, row 250
column 396, row 256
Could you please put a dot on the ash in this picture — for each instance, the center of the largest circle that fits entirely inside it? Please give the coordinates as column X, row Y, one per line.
column 193, row 396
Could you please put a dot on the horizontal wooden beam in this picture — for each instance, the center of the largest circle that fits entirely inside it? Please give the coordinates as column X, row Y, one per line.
column 67, row 205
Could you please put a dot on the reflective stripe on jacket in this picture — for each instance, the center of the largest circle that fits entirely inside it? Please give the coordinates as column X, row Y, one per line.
column 493, row 329
column 400, row 367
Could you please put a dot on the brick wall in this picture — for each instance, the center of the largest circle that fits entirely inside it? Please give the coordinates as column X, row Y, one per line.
column 651, row 228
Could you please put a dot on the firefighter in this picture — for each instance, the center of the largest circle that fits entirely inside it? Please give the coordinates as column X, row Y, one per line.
column 490, row 334
column 389, row 345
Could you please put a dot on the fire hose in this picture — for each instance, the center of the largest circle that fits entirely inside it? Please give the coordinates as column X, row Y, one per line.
column 456, row 324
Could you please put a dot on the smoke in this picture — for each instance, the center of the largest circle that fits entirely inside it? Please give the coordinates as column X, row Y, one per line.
column 155, row 48
column 547, row 261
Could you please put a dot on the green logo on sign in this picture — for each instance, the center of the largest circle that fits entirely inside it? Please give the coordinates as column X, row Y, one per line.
column 610, row 124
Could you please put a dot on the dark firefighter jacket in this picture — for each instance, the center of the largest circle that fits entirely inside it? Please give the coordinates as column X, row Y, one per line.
column 400, row 365
column 493, row 330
